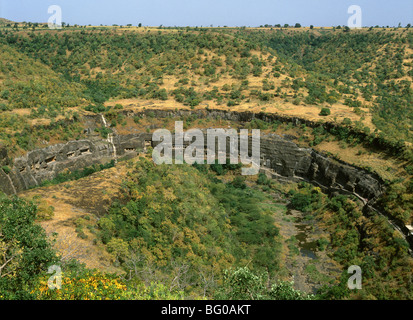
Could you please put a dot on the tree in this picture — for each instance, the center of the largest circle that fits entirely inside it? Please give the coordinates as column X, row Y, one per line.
column 347, row 121
column 10, row 257
column 119, row 248
column 297, row 25
column 300, row 201
column 263, row 179
column 24, row 248
column 243, row 284
column 325, row 112
column 139, row 24
column 239, row 182
column 284, row 290
column 311, row 27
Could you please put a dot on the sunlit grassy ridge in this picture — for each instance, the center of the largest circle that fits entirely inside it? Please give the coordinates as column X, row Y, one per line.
column 358, row 78
column 370, row 69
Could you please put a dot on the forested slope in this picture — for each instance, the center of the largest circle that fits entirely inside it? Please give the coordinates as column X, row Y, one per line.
column 357, row 78
column 178, row 231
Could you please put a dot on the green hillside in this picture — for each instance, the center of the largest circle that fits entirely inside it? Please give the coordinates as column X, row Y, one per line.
column 28, row 83
column 193, row 232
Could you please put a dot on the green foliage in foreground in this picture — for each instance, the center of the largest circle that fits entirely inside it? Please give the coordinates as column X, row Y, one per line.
column 80, row 283
column 242, row 284
column 306, row 199
column 179, row 232
column 25, row 277
column 25, row 251
column 29, row 83
column 342, row 62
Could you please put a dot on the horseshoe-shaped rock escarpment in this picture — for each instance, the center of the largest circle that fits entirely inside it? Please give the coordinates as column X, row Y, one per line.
column 280, row 158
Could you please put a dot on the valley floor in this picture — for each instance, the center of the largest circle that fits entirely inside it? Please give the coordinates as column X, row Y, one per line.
column 79, row 204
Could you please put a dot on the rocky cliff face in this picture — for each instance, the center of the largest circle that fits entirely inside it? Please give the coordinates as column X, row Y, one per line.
column 286, row 160
column 44, row 164
column 281, row 158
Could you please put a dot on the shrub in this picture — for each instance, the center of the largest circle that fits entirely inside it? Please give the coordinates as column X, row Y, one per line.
column 409, row 169
column 243, row 284
column 300, row 201
column 231, row 103
column 239, row 182
column 25, row 244
column 263, row 179
column 325, row 112
column 6, row 169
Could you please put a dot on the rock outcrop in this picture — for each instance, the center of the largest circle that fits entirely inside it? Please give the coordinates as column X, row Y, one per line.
column 281, row 158
column 288, row 161
column 45, row 164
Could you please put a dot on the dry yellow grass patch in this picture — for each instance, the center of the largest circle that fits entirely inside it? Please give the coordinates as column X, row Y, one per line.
column 21, row 112
column 82, row 200
column 279, row 106
column 387, row 167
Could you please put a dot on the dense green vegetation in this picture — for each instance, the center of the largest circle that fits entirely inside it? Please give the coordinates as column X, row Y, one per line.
column 356, row 239
column 28, row 83
column 190, row 231
column 368, row 70
column 242, row 284
column 181, row 231
column 397, row 200
column 169, row 246
column 133, row 64
column 348, row 66
column 173, row 220
column 26, row 253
